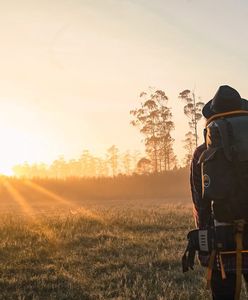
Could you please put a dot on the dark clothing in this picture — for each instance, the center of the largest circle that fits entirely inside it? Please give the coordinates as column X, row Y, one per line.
column 202, row 212
column 202, row 209
column 221, row 289
column 224, row 289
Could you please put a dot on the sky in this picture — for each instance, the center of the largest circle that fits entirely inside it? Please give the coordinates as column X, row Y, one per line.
column 71, row 70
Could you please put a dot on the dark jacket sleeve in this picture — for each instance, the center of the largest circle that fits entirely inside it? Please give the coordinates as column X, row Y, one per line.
column 201, row 208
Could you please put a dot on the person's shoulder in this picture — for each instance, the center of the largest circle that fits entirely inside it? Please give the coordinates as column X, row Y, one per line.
column 198, row 151
column 201, row 147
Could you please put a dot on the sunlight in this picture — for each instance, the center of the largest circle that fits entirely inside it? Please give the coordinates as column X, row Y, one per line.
column 5, row 170
column 74, row 208
column 29, row 211
column 19, row 199
column 48, row 193
column 17, row 146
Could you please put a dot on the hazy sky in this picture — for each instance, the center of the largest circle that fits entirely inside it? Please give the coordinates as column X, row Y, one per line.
column 70, row 71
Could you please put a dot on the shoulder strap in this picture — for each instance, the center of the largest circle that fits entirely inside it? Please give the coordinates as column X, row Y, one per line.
column 226, row 114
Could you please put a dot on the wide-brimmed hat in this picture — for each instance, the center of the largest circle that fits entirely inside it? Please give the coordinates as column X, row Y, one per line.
column 226, row 99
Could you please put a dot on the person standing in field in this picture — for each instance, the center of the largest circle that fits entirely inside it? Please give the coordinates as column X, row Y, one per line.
column 209, row 213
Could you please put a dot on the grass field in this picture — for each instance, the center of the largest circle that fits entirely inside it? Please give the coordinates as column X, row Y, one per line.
column 106, row 253
column 52, row 247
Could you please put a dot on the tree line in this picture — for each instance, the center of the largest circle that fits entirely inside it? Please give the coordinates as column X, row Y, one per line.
column 87, row 165
column 154, row 119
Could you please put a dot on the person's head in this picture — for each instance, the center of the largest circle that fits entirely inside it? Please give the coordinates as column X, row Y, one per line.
column 226, row 99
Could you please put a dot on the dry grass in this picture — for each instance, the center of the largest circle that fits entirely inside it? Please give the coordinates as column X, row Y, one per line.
column 101, row 254
column 58, row 243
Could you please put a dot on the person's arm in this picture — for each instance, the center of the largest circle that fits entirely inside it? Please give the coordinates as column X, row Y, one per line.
column 201, row 208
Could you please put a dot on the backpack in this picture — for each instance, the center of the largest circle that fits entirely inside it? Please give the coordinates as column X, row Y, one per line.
column 224, row 166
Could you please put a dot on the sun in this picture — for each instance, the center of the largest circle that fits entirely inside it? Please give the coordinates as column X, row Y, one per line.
column 6, row 171
column 17, row 146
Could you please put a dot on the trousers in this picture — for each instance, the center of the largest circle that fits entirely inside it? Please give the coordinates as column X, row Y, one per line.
column 224, row 289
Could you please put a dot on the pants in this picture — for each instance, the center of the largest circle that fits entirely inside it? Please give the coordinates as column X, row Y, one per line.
column 224, row 289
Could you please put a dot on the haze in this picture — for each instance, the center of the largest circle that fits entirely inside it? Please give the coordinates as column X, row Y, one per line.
column 72, row 70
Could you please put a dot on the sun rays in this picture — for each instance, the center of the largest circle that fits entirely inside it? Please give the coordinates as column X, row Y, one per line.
column 73, row 207
column 29, row 212
column 19, row 199
column 32, row 200
column 45, row 192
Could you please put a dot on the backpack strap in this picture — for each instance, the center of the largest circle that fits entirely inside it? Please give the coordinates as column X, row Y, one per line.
column 226, row 114
column 210, row 268
column 222, row 267
column 239, row 225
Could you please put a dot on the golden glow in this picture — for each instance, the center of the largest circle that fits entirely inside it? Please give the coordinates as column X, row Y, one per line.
column 57, row 198
column 19, row 199
column 29, row 212
column 17, row 145
column 70, row 70
column 66, row 75
column 74, row 208
column 33, row 215
column 56, row 201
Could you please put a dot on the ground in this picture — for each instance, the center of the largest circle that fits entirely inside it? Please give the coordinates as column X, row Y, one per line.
column 97, row 250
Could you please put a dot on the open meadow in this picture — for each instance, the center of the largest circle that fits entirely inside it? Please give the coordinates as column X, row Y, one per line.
column 53, row 248
column 116, row 249
column 128, row 253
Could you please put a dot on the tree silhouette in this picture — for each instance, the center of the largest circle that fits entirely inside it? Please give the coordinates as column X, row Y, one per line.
column 192, row 110
column 112, row 157
column 144, row 166
column 102, row 167
column 126, row 162
column 136, row 155
column 189, row 144
column 86, row 165
column 153, row 118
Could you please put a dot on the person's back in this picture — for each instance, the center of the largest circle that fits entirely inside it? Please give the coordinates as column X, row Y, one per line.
column 223, row 279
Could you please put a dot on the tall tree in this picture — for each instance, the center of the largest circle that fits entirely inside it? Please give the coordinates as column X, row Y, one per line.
column 85, row 163
column 102, row 167
column 74, row 168
column 165, row 127
column 192, row 110
column 189, row 144
column 126, row 162
column 113, row 157
column 153, row 118
column 135, row 157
